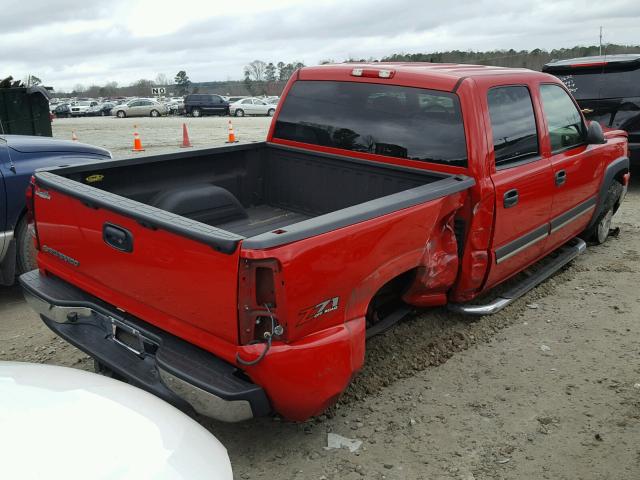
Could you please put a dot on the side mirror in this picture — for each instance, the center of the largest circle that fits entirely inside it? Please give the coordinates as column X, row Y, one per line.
column 595, row 135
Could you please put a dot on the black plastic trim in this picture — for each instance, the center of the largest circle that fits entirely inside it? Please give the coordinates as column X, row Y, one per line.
column 458, row 83
column 613, row 169
column 360, row 213
column 520, row 243
column 573, row 214
column 182, row 359
column 221, row 240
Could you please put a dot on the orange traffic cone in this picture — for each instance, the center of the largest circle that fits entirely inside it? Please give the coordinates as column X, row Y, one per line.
column 74, row 137
column 137, row 143
column 232, row 136
column 185, row 137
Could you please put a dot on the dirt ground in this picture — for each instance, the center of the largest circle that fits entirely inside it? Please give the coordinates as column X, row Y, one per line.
column 158, row 135
column 548, row 388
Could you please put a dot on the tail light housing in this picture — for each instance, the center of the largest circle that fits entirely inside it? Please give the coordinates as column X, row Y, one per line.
column 260, row 296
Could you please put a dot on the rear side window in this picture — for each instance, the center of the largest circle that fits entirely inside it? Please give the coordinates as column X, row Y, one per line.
column 566, row 128
column 402, row 122
column 595, row 84
column 513, row 124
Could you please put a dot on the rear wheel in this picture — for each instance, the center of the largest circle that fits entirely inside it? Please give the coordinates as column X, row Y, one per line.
column 196, row 112
column 26, row 251
column 599, row 232
column 271, row 112
column 239, row 113
column 121, row 114
column 154, row 113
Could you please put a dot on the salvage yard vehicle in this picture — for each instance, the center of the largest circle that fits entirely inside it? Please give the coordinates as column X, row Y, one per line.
column 79, row 109
column 44, row 409
column 607, row 88
column 100, row 110
column 20, row 156
column 252, row 106
column 245, row 279
column 199, row 104
column 139, row 107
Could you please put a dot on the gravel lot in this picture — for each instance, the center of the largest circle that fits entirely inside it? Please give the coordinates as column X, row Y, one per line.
column 158, row 135
column 548, row 388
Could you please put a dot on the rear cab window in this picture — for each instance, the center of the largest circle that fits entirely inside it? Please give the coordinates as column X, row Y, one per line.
column 513, row 125
column 394, row 121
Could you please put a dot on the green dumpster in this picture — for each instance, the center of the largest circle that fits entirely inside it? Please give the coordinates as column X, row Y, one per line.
column 25, row 111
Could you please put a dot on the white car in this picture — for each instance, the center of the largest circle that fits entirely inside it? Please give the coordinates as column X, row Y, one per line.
column 80, row 108
column 68, row 424
column 251, row 106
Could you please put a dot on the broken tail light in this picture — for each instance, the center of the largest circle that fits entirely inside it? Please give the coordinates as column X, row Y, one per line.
column 259, row 300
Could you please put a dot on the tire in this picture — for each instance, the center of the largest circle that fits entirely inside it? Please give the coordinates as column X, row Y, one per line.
column 239, row 113
column 121, row 114
column 196, row 112
column 599, row 232
column 271, row 112
column 154, row 113
column 25, row 250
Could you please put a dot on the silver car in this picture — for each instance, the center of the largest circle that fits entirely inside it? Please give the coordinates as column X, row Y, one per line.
column 251, row 106
column 140, row 107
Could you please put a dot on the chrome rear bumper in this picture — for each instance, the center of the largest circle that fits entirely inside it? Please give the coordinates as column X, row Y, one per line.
column 147, row 357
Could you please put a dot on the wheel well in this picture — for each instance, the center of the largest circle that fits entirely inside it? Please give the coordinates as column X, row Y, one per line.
column 389, row 296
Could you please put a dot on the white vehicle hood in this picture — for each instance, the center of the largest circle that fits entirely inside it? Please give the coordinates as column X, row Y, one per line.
column 62, row 423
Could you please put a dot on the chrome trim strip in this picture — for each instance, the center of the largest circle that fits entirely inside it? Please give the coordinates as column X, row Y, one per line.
column 570, row 215
column 5, row 240
column 568, row 221
column 536, row 235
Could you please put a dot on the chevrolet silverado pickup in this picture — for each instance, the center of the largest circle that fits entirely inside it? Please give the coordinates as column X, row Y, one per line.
column 245, row 279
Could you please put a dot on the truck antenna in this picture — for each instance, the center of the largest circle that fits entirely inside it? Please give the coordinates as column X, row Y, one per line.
column 600, row 39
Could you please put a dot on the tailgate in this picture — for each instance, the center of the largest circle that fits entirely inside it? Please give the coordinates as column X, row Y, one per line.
column 175, row 273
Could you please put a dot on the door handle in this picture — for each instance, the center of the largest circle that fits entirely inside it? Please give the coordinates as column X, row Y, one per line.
column 117, row 237
column 561, row 177
column 510, row 198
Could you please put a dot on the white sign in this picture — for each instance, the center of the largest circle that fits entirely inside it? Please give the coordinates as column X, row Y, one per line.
column 158, row 91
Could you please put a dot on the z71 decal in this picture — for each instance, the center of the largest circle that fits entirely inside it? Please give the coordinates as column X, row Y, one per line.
column 311, row 313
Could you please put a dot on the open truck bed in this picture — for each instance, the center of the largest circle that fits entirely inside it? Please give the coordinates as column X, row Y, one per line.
column 250, row 192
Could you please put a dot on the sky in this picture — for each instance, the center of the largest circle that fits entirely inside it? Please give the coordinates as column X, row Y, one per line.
column 68, row 42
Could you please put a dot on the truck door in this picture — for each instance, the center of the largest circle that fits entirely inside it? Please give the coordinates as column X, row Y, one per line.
column 522, row 179
column 577, row 167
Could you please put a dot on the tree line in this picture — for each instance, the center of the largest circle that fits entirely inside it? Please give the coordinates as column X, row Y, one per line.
column 269, row 78
column 532, row 59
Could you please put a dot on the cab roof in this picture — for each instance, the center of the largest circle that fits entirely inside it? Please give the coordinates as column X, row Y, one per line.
column 441, row 76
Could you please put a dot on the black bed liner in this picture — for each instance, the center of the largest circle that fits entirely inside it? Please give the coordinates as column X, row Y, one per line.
column 285, row 194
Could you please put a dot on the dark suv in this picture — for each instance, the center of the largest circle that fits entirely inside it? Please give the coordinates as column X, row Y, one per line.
column 198, row 104
column 607, row 89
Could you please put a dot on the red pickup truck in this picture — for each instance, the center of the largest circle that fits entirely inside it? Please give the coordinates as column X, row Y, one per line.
column 245, row 279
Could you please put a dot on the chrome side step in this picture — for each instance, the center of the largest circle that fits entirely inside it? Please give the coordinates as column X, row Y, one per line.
column 565, row 254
